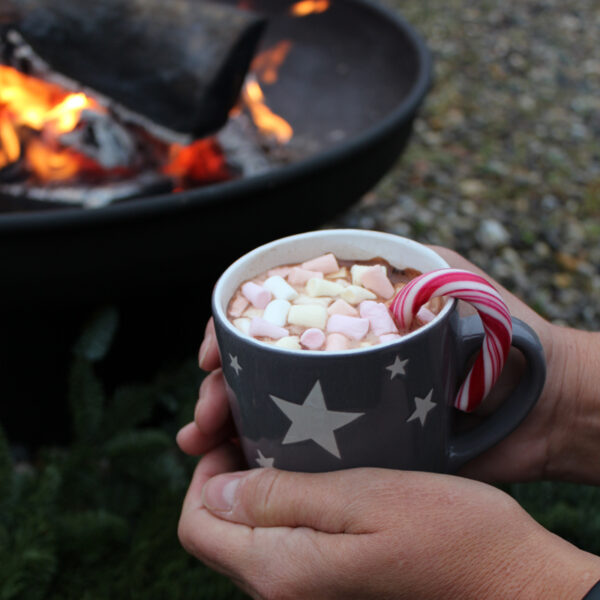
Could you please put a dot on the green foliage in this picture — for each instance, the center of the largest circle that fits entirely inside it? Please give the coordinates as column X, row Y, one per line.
column 98, row 520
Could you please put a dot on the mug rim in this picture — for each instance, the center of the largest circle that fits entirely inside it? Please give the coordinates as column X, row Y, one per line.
column 220, row 315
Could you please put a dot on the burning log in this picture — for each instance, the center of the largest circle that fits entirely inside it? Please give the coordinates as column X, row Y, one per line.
column 178, row 64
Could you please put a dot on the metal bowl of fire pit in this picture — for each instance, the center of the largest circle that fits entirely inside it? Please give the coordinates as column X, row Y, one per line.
column 353, row 79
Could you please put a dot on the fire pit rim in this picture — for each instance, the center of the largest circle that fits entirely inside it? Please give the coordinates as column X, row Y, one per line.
column 164, row 204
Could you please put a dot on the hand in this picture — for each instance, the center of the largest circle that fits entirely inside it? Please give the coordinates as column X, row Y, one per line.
column 373, row 533
column 529, row 453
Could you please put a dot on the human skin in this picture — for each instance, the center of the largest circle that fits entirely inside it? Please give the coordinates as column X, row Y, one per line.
column 391, row 534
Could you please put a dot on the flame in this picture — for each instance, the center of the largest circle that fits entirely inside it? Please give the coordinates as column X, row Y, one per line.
column 10, row 147
column 201, row 161
column 266, row 64
column 265, row 119
column 309, row 7
column 29, row 103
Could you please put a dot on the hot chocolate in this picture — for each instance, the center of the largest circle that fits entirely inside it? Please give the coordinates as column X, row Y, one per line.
column 325, row 304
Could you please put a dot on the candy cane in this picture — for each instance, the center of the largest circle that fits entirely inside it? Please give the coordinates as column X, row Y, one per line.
column 492, row 310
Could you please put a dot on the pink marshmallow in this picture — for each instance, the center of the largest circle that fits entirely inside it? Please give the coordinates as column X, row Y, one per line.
column 313, row 338
column 425, row 315
column 389, row 337
column 379, row 317
column 353, row 327
column 377, row 281
column 281, row 271
column 238, row 306
column 337, row 342
column 326, row 264
column 341, row 307
column 256, row 294
column 299, row 276
column 261, row 328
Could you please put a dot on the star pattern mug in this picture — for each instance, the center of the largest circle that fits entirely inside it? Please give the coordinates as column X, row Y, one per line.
column 389, row 405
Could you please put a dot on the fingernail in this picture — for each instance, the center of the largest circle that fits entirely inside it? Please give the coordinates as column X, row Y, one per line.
column 218, row 494
column 204, row 349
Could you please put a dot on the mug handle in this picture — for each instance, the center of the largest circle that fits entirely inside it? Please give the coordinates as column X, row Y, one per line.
column 505, row 419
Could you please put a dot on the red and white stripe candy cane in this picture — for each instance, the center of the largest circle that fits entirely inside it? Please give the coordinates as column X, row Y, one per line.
column 492, row 310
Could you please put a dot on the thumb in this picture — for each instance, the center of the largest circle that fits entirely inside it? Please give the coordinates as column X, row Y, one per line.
column 329, row 502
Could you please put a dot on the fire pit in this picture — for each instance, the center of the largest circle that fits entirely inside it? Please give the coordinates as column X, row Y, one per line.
column 343, row 80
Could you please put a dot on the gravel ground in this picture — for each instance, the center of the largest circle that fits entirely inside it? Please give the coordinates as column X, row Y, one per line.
column 504, row 163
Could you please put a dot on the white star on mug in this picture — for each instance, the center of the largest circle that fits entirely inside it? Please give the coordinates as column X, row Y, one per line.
column 397, row 367
column 263, row 461
column 234, row 364
column 312, row 421
column 423, row 406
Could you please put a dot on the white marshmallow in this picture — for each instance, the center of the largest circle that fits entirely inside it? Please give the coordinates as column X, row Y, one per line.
column 252, row 312
column 343, row 272
column 352, row 327
column 357, row 272
column 355, row 294
column 276, row 312
column 322, row 287
column 313, row 338
column 308, row 315
column 261, row 328
column 290, row 342
column 303, row 299
column 425, row 315
column 280, row 288
column 243, row 325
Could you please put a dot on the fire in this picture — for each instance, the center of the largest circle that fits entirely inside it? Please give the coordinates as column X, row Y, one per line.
column 266, row 65
column 201, row 161
column 29, row 105
column 309, row 7
column 265, row 119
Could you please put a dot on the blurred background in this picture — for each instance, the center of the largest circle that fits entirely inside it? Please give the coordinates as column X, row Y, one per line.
column 503, row 167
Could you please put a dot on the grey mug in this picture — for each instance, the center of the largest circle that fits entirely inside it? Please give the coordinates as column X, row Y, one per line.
column 387, row 406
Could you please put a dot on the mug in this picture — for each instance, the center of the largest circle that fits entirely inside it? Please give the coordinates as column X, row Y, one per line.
column 389, row 405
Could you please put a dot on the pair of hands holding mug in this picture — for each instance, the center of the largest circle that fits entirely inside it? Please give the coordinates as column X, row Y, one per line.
column 380, row 533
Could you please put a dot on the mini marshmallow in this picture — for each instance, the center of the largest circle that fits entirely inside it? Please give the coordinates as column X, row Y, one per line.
column 242, row 324
column 389, row 337
column 281, row 271
column 299, row 276
column 280, row 288
column 256, row 294
column 252, row 312
column 343, row 272
column 308, row 315
column 355, row 294
column 425, row 315
column 322, row 287
column 357, row 271
column 290, row 342
column 261, row 328
column 336, row 342
column 326, row 264
column 238, row 306
column 341, row 307
column 312, row 338
column 276, row 312
column 376, row 279
column 303, row 299
column 352, row 327
column 379, row 317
